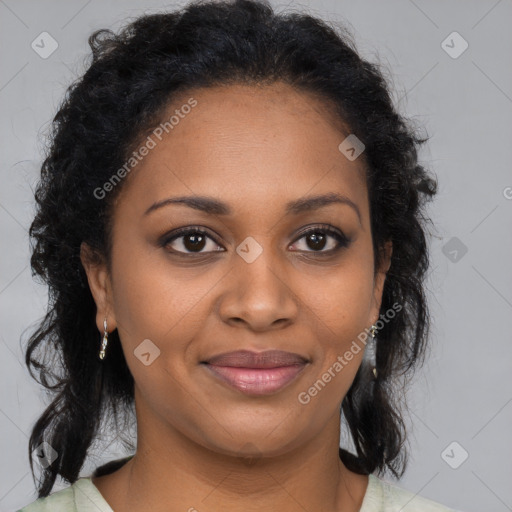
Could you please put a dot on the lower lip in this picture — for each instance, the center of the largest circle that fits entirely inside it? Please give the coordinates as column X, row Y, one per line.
column 256, row 381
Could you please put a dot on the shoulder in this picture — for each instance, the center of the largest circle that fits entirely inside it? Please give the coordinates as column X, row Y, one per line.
column 384, row 496
column 60, row 501
column 82, row 496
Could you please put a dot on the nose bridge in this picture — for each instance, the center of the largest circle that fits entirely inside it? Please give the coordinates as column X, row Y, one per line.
column 259, row 293
column 259, row 263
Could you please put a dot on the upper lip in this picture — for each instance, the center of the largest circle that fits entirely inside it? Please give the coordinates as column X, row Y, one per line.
column 248, row 359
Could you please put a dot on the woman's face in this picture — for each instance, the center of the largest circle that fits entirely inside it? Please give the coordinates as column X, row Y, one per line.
column 254, row 281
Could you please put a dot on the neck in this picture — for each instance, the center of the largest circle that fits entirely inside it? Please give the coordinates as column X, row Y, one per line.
column 171, row 472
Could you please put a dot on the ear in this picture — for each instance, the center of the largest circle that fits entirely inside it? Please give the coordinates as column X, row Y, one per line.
column 100, row 286
column 379, row 280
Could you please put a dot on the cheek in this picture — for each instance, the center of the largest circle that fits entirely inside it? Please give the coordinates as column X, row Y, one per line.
column 342, row 300
column 341, row 317
column 339, row 309
column 156, row 301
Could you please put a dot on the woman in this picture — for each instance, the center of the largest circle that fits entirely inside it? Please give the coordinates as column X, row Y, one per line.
column 231, row 201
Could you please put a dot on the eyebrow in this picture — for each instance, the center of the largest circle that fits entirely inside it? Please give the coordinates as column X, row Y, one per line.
column 215, row 207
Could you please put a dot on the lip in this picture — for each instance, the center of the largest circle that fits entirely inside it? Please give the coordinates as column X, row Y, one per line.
column 249, row 359
column 253, row 373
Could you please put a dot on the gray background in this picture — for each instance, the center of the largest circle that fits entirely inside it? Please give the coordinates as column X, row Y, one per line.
column 464, row 393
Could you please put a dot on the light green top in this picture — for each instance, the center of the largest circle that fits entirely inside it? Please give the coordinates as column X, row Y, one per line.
column 380, row 496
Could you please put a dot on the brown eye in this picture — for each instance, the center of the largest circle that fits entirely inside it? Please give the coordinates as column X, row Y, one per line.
column 316, row 241
column 319, row 238
column 190, row 241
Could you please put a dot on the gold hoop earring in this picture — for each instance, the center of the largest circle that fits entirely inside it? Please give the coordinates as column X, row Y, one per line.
column 105, row 340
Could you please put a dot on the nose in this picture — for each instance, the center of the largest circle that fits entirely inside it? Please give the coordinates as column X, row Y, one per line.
column 259, row 295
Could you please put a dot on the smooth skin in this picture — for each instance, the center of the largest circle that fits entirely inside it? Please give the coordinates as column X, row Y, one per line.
column 202, row 445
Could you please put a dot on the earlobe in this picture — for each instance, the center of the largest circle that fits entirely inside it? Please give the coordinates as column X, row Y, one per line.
column 99, row 284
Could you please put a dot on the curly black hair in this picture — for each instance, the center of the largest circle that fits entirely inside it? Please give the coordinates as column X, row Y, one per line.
column 132, row 77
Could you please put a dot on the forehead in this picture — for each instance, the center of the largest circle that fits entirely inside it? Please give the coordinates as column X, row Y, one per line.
column 249, row 145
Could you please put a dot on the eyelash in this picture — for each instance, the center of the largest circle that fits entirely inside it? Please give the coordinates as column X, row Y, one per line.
column 342, row 240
